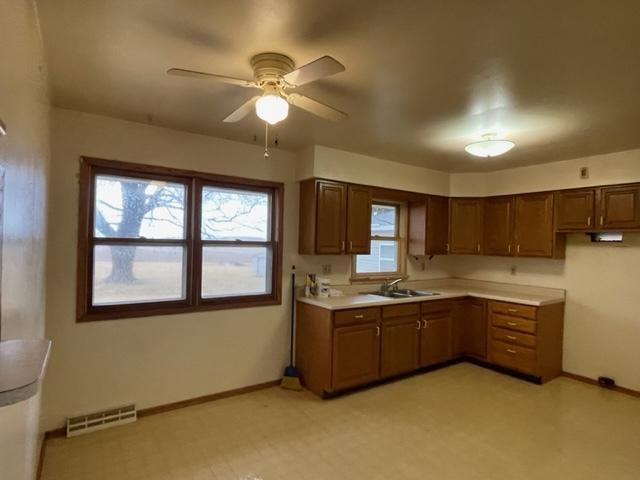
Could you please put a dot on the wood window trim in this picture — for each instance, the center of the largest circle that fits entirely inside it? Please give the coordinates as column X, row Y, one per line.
column 90, row 167
column 400, row 236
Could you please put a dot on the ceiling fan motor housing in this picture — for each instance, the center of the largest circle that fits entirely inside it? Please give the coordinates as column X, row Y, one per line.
column 269, row 68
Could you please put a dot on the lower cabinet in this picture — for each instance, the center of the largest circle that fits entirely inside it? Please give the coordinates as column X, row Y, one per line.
column 436, row 334
column 338, row 350
column 356, row 355
column 400, row 348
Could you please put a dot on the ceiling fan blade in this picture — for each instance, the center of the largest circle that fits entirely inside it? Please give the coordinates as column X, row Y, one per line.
column 320, row 68
column 317, row 108
column 210, row 76
column 242, row 111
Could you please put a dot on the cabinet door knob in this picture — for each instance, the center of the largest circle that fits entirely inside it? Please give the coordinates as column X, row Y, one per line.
column 350, row 245
column 478, row 248
column 589, row 221
column 601, row 219
column 342, row 247
column 518, row 249
column 377, row 330
column 424, row 324
column 419, row 324
column 509, row 248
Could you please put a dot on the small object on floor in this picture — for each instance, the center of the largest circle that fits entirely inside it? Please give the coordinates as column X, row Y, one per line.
column 251, row 477
column 291, row 377
column 606, row 382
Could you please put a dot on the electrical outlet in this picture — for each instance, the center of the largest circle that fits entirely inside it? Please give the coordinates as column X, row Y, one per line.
column 513, row 270
column 584, row 173
column 326, row 269
column 422, row 265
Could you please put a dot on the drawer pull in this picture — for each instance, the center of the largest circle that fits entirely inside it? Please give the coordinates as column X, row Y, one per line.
column 511, row 337
column 512, row 310
column 510, row 350
column 358, row 316
column 512, row 324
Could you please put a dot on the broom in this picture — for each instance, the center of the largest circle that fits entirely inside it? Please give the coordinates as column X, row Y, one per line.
column 291, row 377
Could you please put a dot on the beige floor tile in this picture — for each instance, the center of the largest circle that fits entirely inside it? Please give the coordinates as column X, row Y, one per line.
column 460, row 422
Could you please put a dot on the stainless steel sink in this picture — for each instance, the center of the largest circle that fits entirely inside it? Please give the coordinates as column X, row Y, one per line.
column 402, row 293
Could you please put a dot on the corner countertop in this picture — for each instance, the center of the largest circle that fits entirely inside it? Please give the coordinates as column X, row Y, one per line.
column 22, row 365
column 452, row 288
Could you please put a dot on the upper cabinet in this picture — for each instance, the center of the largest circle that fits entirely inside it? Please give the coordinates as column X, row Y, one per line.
column 429, row 226
column 596, row 209
column 534, row 232
column 465, row 226
column 619, row 207
column 499, row 215
column 575, row 210
column 358, row 219
column 335, row 218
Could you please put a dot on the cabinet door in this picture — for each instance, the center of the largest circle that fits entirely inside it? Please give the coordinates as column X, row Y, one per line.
column 331, row 217
column 356, row 355
column 534, row 225
column 358, row 220
column 437, row 226
column 575, row 210
column 400, row 345
column 436, row 339
column 498, row 226
column 619, row 207
column 470, row 328
column 465, row 225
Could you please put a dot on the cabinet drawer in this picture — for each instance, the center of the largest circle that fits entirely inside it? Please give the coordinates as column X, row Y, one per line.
column 511, row 356
column 403, row 310
column 357, row 315
column 513, row 323
column 516, row 338
column 438, row 306
column 515, row 309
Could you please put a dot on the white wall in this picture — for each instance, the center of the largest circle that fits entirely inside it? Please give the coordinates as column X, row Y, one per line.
column 24, row 155
column 155, row 360
column 602, row 324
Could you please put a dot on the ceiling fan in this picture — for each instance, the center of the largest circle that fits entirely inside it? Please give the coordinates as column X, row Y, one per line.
column 274, row 74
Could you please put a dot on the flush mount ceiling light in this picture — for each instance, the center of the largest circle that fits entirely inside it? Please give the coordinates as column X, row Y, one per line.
column 272, row 108
column 489, row 147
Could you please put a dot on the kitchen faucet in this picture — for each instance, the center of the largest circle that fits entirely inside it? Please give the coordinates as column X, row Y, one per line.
column 388, row 286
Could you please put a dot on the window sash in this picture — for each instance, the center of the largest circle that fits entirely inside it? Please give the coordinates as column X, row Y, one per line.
column 192, row 243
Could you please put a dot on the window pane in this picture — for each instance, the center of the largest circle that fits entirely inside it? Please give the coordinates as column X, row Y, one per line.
column 383, row 220
column 229, row 214
column 231, row 271
column 134, row 208
column 383, row 258
column 135, row 274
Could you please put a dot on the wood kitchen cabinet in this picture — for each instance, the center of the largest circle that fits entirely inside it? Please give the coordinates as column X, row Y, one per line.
column 400, row 339
column 356, row 351
column 534, row 232
column 618, row 207
column 358, row 220
column 436, row 334
column 499, row 216
column 470, row 328
column 335, row 218
column 575, row 210
column 465, row 226
column 526, row 338
column 429, row 226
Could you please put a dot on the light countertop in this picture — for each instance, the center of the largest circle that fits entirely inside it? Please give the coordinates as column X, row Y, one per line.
column 450, row 288
column 22, row 365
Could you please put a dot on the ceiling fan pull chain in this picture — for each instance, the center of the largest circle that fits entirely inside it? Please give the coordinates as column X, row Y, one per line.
column 266, row 140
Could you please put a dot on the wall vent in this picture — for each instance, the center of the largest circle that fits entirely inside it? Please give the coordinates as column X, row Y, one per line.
column 101, row 420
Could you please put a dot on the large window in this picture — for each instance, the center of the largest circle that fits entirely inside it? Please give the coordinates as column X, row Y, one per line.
column 384, row 258
column 156, row 240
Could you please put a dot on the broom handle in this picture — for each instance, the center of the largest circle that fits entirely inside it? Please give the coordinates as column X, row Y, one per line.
column 293, row 312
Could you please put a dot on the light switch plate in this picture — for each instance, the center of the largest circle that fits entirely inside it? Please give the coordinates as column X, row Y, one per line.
column 584, row 173
column 326, row 269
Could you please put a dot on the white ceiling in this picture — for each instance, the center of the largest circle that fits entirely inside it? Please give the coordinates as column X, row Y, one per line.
column 559, row 77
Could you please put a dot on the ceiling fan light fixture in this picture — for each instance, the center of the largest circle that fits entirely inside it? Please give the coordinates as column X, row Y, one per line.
column 489, row 147
column 272, row 108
